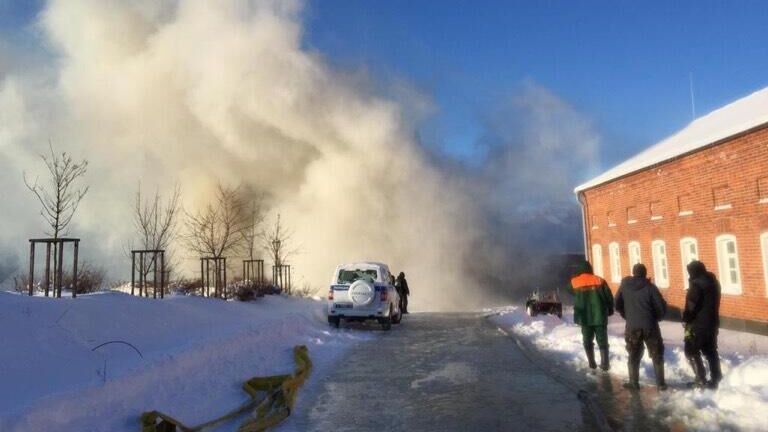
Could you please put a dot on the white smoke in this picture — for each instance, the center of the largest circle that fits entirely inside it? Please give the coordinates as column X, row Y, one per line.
column 559, row 148
column 197, row 92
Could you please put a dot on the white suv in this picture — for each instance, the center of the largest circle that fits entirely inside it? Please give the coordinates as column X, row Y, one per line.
column 363, row 291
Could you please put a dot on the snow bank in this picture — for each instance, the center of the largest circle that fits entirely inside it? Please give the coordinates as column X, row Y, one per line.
column 738, row 403
column 186, row 356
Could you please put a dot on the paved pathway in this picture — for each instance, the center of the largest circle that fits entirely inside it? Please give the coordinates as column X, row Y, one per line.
column 440, row 372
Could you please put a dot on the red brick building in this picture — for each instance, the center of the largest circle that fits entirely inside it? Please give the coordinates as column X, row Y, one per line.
column 699, row 194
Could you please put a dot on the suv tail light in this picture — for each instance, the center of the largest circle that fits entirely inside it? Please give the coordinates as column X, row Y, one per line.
column 330, row 294
column 384, row 294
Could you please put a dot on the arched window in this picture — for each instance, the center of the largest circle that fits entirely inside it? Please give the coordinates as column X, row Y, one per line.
column 660, row 264
column 728, row 264
column 633, row 248
column 689, row 251
column 597, row 259
column 614, row 254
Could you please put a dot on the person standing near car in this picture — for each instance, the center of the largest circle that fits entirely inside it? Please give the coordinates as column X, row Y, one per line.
column 593, row 304
column 640, row 303
column 401, row 285
column 701, row 319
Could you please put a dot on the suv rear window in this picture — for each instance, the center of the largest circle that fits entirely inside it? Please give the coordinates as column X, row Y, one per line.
column 349, row 276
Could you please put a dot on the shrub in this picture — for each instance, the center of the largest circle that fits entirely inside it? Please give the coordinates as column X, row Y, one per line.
column 186, row 286
column 304, row 291
column 245, row 292
column 89, row 279
column 21, row 284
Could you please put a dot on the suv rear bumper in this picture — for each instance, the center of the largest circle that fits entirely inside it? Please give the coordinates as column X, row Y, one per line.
column 372, row 313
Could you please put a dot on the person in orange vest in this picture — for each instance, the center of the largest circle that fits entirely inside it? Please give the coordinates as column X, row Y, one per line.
column 593, row 304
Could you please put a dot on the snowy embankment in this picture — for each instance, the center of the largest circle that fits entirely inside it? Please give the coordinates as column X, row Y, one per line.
column 190, row 359
column 740, row 402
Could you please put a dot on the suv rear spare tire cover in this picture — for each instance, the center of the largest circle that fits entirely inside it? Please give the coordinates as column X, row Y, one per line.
column 362, row 292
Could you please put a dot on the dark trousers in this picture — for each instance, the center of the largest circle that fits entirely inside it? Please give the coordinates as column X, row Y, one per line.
column 590, row 333
column 639, row 339
column 703, row 341
column 404, row 303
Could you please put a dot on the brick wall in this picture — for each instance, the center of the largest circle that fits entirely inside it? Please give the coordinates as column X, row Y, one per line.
column 679, row 199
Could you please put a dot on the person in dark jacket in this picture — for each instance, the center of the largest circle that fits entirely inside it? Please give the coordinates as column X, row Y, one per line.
column 701, row 319
column 640, row 303
column 401, row 285
column 592, row 305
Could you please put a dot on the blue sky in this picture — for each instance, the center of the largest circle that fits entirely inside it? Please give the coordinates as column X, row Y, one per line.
column 624, row 65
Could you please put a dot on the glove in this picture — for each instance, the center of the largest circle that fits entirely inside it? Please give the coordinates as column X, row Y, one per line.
column 689, row 334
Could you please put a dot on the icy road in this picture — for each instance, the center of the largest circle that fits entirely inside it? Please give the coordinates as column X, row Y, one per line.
column 439, row 372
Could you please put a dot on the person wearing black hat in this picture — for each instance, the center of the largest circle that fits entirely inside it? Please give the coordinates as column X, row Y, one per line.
column 701, row 319
column 640, row 303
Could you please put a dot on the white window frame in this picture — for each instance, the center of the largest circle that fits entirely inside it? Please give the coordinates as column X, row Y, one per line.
column 660, row 263
column 634, row 253
column 764, row 248
column 614, row 257
column 597, row 259
column 727, row 285
column 687, row 257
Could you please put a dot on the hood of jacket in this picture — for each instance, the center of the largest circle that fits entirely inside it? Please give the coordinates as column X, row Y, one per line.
column 696, row 269
column 583, row 267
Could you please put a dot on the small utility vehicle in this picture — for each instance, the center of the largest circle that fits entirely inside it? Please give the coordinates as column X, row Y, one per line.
column 547, row 303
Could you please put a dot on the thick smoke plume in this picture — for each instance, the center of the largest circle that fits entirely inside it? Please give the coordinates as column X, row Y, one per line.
column 196, row 92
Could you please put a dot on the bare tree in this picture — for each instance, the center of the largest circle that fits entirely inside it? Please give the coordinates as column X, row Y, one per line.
column 277, row 242
column 155, row 223
column 255, row 218
column 59, row 198
column 218, row 229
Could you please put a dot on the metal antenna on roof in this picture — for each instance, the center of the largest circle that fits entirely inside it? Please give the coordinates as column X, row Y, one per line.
column 693, row 99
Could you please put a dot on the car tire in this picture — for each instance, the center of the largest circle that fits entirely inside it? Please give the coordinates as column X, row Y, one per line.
column 386, row 323
column 334, row 321
column 397, row 318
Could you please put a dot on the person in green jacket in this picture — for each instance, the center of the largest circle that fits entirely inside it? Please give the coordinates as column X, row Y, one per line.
column 593, row 304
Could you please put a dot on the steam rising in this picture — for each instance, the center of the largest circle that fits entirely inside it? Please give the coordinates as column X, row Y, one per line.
column 198, row 92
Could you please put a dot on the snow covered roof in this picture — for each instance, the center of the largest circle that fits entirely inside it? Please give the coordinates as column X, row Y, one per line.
column 740, row 116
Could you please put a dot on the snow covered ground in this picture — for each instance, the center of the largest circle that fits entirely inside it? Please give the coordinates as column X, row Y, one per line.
column 192, row 355
column 740, row 403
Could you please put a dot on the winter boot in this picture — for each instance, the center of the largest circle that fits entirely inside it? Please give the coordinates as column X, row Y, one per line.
column 714, row 369
column 658, row 369
column 698, row 371
column 604, row 360
column 591, row 356
column 633, row 367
